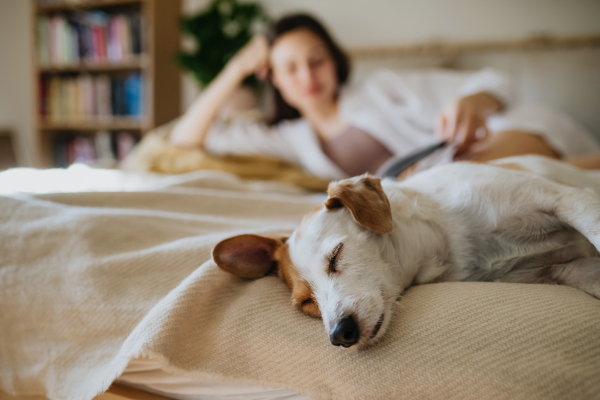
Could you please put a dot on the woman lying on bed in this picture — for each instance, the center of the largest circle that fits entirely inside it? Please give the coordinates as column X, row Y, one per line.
column 334, row 130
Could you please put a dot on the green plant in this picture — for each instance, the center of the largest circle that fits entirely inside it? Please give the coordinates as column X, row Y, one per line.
column 219, row 32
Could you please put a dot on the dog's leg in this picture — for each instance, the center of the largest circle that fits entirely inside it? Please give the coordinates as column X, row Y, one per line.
column 583, row 274
column 579, row 208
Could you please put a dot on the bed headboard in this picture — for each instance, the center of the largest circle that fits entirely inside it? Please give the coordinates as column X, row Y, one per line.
column 560, row 72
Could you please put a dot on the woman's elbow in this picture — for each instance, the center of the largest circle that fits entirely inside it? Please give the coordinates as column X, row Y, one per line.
column 180, row 138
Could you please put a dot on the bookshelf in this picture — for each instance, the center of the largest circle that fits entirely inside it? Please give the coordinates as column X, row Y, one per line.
column 104, row 76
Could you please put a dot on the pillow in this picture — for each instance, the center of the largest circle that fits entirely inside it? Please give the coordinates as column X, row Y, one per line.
column 155, row 154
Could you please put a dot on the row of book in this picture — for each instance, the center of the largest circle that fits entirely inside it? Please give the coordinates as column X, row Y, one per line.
column 88, row 37
column 88, row 96
column 101, row 150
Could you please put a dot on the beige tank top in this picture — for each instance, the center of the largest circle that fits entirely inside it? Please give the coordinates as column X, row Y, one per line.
column 356, row 152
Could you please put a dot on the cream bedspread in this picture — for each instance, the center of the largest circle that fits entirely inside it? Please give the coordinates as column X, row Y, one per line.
column 90, row 280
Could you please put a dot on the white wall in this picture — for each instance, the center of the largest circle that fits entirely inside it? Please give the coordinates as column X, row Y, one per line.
column 359, row 23
column 16, row 75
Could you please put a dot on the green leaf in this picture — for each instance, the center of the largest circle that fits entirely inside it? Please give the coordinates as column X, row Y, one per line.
column 215, row 47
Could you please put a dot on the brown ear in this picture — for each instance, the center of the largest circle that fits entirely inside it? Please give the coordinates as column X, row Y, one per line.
column 366, row 201
column 248, row 256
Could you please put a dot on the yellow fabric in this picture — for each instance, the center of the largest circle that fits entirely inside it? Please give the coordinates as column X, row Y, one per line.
column 90, row 280
column 155, row 154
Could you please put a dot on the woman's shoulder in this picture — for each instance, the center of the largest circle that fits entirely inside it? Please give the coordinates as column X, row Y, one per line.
column 373, row 83
column 370, row 76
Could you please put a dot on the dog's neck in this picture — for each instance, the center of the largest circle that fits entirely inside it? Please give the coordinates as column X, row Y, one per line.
column 417, row 249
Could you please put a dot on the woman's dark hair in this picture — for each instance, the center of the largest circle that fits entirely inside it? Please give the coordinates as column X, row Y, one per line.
column 276, row 108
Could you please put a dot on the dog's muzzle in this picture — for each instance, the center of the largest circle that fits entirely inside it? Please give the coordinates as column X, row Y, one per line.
column 345, row 333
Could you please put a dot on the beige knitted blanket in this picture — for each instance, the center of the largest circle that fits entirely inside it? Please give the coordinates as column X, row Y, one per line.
column 90, row 280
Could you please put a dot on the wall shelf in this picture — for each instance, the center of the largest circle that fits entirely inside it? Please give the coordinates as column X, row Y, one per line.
column 114, row 123
column 160, row 77
column 133, row 63
column 82, row 5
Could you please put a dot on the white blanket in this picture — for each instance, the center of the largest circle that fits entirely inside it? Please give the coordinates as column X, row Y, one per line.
column 90, row 280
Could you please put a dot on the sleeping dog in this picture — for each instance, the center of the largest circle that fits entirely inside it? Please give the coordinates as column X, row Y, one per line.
column 524, row 219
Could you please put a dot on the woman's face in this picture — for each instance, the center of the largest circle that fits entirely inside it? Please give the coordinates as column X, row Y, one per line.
column 303, row 70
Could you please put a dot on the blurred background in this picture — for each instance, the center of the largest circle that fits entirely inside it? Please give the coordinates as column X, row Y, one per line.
column 86, row 79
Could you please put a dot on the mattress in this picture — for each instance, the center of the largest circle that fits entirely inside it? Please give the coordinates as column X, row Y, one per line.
column 93, row 280
column 147, row 375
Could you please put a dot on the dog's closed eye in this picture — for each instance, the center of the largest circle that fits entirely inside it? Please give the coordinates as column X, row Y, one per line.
column 307, row 302
column 333, row 258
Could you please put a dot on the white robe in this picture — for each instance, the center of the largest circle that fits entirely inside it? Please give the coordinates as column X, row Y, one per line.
column 399, row 110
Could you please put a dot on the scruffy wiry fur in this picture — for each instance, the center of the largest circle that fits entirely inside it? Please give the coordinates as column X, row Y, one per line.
column 526, row 219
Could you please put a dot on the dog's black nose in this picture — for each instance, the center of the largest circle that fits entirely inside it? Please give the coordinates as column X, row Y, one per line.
column 345, row 333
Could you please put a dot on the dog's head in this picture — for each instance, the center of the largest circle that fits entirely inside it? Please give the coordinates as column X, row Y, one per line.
column 334, row 262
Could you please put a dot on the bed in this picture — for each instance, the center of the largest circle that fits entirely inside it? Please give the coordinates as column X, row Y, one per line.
column 106, row 283
column 94, row 280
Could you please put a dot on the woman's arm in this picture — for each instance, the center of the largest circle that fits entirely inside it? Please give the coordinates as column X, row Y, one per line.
column 193, row 126
column 462, row 120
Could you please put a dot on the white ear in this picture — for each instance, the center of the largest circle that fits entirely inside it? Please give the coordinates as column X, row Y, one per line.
column 366, row 201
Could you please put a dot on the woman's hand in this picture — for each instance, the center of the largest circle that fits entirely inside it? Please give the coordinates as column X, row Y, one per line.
column 463, row 121
column 192, row 128
column 252, row 58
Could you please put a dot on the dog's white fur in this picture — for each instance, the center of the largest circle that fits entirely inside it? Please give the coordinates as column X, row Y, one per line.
column 538, row 223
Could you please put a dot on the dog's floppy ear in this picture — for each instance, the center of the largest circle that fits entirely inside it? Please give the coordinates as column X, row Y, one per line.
column 366, row 201
column 248, row 256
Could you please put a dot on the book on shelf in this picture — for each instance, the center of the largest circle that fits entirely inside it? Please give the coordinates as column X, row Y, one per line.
column 103, row 149
column 134, row 91
column 105, row 155
column 87, row 96
column 125, row 144
column 91, row 37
